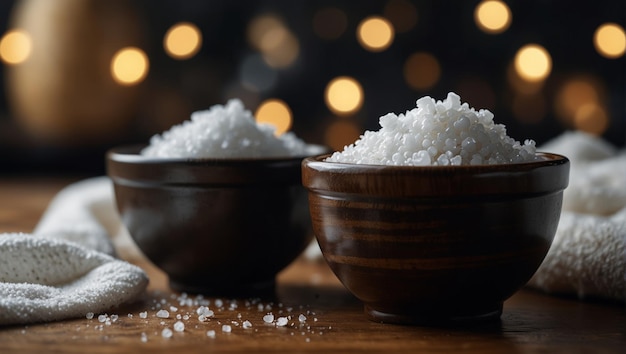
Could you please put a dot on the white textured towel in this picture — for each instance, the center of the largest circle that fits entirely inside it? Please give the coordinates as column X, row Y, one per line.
column 588, row 255
column 45, row 279
column 66, row 268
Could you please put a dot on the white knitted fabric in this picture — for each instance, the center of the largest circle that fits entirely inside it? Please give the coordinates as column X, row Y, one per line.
column 84, row 213
column 66, row 268
column 588, row 254
column 45, row 279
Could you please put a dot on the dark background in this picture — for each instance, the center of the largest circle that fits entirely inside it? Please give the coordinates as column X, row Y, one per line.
column 474, row 64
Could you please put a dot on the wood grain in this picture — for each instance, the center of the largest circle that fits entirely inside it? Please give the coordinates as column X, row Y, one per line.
column 335, row 322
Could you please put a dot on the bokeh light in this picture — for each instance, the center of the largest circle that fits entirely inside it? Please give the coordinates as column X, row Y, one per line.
column 275, row 112
column 182, row 41
column 330, row 23
column 591, row 118
column 15, row 47
column 492, row 16
column 533, row 62
column 521, row 85
column 610, row 40
column 279, row 47
column 402, row 14
column 576, row 97
column 422, row 71
column 344, row 95
column 283, row 50
column 341, row 133
column 129, row 66
column 259, row 27
column 375, row 33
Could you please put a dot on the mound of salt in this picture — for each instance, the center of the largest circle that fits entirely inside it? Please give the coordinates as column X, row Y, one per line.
column 437, row 133
column 228, row 131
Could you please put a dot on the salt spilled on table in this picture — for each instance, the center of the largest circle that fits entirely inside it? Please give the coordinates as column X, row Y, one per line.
column 437, row 133
column 228, row 131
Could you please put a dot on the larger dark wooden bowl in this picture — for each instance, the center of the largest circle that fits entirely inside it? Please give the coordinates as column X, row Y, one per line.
column 435, row 245
column 222, row 227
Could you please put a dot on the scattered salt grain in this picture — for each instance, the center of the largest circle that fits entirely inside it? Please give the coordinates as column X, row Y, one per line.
column 144, row 337
column 89, row 315
column 166, row 333
column 247, row 324
column 437, row 133
column 163, row 314
column 205, row 311
column 224, row 132
column 210, row 333
column 282, row 321
column 269, row 318
column 143, row 314
column 102, row 318
column 179, row 326
column 226, row 328
column 302, row 318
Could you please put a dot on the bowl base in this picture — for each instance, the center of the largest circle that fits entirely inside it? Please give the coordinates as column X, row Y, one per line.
column 261, row 289
column 436, row 318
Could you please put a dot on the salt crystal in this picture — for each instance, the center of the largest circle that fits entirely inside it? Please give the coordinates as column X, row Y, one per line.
column 302, row 318
column 89, row 315
column 102, row 318
column 179, row 326
column 226, row 328
column 210, row 333
column 166, row 333
column 163, row 314
column 247, row 324
column 269, row 318
column 143, row 314
column 282, row 321
column 202, row 310
column 144, row 337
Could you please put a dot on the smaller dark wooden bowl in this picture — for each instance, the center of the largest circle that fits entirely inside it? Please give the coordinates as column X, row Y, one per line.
column 222, row 227
column 435, row 245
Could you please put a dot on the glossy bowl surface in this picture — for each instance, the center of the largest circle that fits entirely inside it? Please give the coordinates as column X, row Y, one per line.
column 222, row 227
column 435, row 245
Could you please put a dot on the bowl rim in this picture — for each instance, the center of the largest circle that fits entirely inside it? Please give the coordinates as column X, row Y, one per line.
column 130, row 154
column 548, row 175
column 125, row 166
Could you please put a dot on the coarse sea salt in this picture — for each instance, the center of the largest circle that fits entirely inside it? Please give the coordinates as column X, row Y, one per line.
column 163, row 314
column 228, row 131
column 437, row 133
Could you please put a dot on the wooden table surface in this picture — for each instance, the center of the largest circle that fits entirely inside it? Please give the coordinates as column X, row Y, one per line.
column 332, row 320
